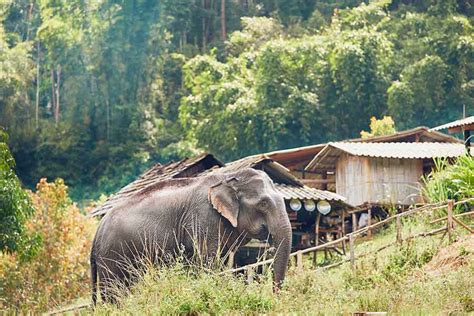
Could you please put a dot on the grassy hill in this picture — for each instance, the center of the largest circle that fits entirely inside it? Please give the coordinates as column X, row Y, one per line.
column 425, row 275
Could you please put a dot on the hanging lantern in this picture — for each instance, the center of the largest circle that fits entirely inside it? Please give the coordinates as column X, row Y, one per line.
column 324, row 207
column 309, row 205
column 295, row 205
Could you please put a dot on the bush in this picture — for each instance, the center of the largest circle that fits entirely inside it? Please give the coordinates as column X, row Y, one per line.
column 59, row 270
column 450, row 181
column 15, row 207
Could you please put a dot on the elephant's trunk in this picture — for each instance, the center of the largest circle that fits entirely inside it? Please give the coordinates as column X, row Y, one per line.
column 280, row 229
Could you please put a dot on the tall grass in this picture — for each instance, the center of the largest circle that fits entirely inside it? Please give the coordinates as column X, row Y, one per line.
column 393, row 280
column 450, row 181
column 178, row 289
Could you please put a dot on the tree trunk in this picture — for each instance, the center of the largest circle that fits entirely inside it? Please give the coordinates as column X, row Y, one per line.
column 37, row 84
column 53, row 93
column 107, row 104
column 58, row 75
column 223, row 28
column 30, row 13
column 204, row 28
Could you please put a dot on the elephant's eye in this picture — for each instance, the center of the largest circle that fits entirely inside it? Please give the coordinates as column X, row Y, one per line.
column 263, row 203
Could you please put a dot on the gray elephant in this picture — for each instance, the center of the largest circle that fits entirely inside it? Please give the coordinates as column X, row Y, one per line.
column 205, row 216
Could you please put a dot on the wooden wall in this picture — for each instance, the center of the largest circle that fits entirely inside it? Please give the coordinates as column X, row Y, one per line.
column 378, row 180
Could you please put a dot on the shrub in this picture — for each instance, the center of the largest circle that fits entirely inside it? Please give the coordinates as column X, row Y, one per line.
column 59, row 270
column 450, row 181
column 15, row 207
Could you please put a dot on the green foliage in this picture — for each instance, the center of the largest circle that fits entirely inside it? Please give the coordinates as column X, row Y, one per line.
column 96, row 91
column 451, row 181
column 59, row 271
column 384, row 126
column 15, row 208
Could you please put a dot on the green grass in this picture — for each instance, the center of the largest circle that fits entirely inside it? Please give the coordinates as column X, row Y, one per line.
column 392, row 280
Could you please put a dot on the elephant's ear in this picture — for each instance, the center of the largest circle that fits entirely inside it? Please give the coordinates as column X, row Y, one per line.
column 223, row 197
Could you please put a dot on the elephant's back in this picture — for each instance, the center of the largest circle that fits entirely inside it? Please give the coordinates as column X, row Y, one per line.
column 155, row 220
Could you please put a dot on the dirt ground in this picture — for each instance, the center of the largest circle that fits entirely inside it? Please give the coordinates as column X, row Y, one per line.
column 452, row 257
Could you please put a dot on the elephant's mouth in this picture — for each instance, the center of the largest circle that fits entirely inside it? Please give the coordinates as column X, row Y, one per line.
column 263, row 234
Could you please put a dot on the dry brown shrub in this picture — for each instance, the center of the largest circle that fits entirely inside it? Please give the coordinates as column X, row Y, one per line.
column 59, row 271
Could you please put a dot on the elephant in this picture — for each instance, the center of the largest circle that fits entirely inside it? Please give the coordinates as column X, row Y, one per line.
column 206, row 216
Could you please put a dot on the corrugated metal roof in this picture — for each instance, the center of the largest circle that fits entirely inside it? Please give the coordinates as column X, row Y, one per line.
column 246, row 162
column 277, row 172
column 287, row 184
column 157, row 173
column 402, row 150
column 299, row 157
column 329, row 155
column 417, row 134
column 306, row 193
column 463, row 122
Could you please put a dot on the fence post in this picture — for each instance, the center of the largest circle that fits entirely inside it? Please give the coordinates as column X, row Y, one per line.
column 450, row 222
column 299, row 261
column 343, row 231
column 351, row 251
column 369, row 221
column 354, row 222
column 249, row 275
column 399, row 230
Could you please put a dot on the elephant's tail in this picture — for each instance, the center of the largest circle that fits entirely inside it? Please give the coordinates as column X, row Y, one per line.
column 94, row 273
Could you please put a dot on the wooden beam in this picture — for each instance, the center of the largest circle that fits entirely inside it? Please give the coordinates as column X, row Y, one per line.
column 457, row 215
column 318, row 181
column 458, row 129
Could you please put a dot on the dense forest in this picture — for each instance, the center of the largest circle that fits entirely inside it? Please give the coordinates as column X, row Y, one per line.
column 95, row 91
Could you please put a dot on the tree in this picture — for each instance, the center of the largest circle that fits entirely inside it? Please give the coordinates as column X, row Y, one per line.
column 384, row 126
column 15, row 206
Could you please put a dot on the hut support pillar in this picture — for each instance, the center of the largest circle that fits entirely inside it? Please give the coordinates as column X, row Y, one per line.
column 316, row 238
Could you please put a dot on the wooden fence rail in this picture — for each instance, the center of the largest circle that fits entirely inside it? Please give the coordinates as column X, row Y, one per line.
column 250, row 269
column 450, row 218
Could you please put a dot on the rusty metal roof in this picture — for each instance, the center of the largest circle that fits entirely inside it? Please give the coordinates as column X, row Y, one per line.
column 329, row 155
column 420, row 134
column 277, row 172
column 187, row 167
column 465, row 122
column 306, row 193
column 287, row 184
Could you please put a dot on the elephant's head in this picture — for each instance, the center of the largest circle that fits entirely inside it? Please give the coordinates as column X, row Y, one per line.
column 249, row 201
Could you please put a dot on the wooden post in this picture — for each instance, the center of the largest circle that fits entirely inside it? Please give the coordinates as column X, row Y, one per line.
column 343, row 227
column 324, row 186
column 399, row 230
column 354, row 222
column 450, row 222
column 249, row 275
column 369, row 221
column 316, row 238
column 299, row 261
column 351, row 251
